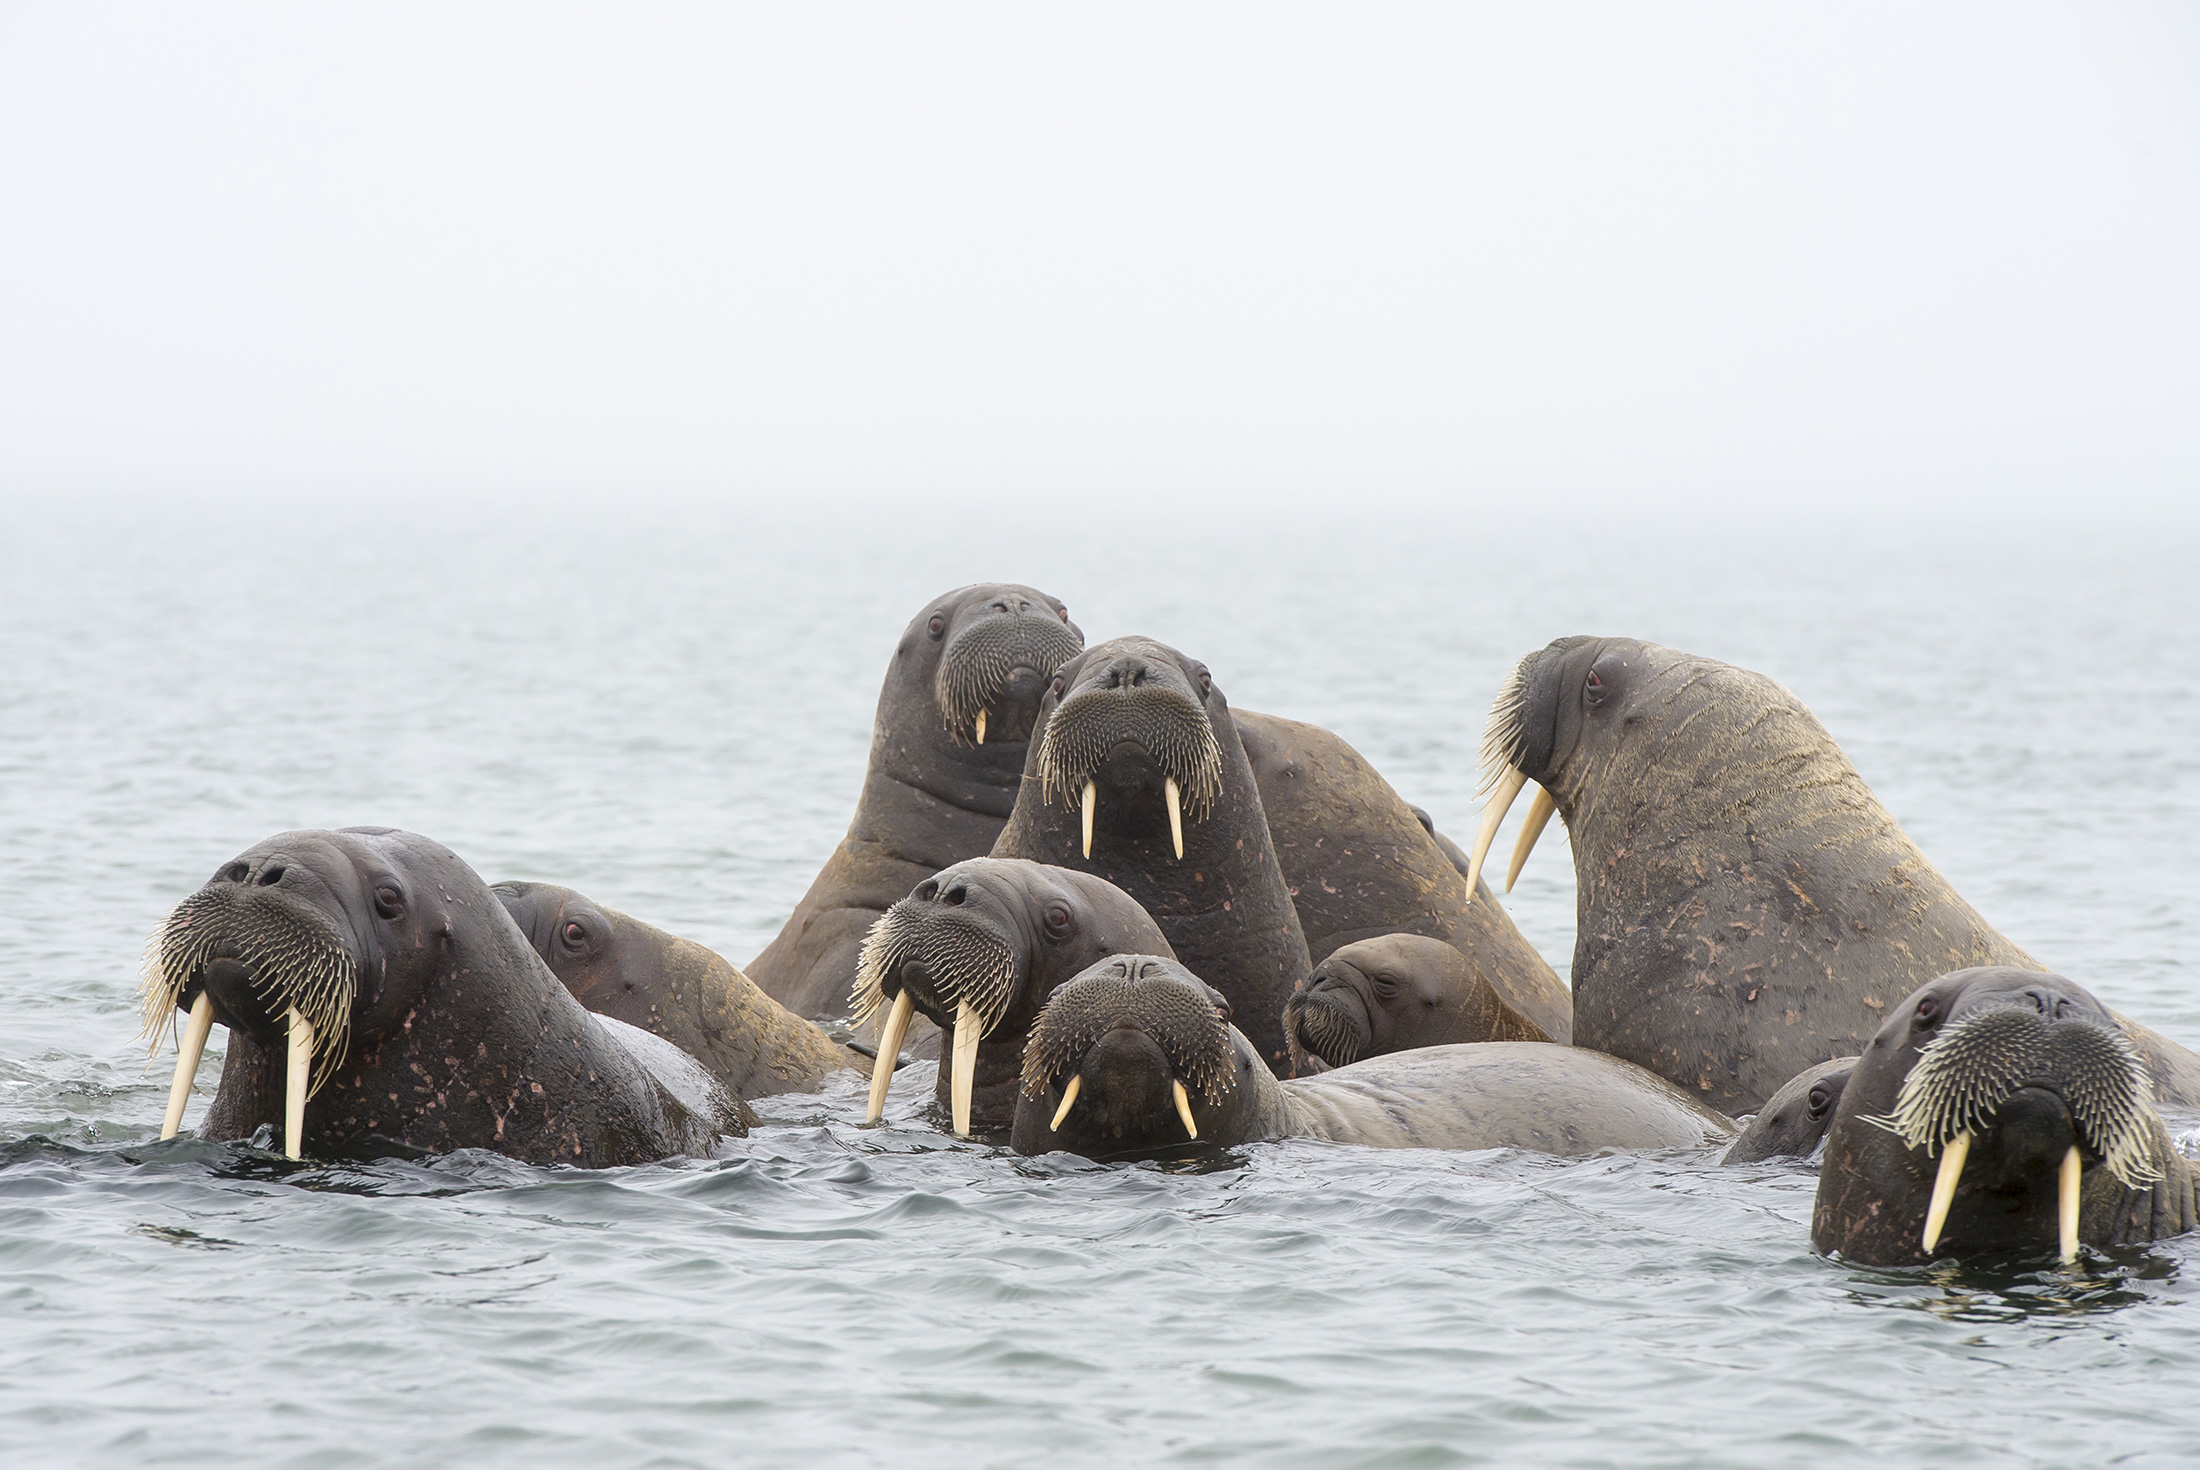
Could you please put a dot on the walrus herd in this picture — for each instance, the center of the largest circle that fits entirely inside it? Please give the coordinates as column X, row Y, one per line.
column 1126, row 918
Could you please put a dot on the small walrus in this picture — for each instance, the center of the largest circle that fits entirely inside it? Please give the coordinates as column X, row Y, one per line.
column 1794, row 1122
column 380, row 1000
column 677, row 989
column 1136, row 1054
column 1390, row 994
column 1998, row 1111
column 977, row 948
column 947, row 758
column 1745, row 907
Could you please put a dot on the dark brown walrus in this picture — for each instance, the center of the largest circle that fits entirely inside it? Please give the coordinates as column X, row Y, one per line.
column 947, row 757
column 977, row 948
column 1135, row 1054
column 675, row 988
column 380, row 1001
column 1745, row 907
column 1998, row 1111
column 1390, row 994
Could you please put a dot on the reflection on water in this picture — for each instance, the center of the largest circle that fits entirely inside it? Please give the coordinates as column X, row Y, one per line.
column 673, row 717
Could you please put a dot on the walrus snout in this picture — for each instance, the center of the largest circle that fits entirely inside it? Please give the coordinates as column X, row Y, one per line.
column 1135, row 722
column 1138, row 1036
column 995, row 667
column 1326, row 1024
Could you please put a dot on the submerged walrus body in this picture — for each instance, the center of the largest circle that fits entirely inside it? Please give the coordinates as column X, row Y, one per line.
column 1745, row 906
column 947, row 758
column 380, row 1000
column 1135, row 1055
column 1998, row 1111
column 677, row 989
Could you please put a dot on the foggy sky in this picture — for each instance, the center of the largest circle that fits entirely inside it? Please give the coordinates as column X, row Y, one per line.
column 1891, row 255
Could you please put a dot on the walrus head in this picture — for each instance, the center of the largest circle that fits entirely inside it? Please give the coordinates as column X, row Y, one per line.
column 1794, row 1120
column 1134, row 1049
column 1131, row 741
column 288, row 943
column 1997, row 1110
column 581, row 942
column 1393, row 993
column 977, row 948
column 991, row 649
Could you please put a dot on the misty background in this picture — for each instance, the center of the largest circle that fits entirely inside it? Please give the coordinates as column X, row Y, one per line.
column 1523, row 259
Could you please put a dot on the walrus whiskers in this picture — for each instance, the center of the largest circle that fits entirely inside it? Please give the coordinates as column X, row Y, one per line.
column 977, row 664
column 972, row 971
column 1168, row 723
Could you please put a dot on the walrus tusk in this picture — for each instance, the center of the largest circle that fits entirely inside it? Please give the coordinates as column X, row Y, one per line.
column 1092, row 799
column 981, row 727
column 1539, row 817
column 188, row 1053
column 1069, row 1097
column 1500, row 802
column 2073, row 1169
column 1176, row 813
column 1944, row 1186
column 1184, row 1107
column 965, row 1074
column 294, row 1086
column 889, row 1051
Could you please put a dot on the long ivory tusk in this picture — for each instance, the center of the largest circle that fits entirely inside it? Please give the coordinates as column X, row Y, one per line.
column 1184, row 1108
column 889, row 1051
column 965, row 1074
column 1176, row 813
column 2073, row 1171
column 1092, row 799
column 1500, row 802
column 981, row 727
column 1944, row 1186
column 1069, row 1097
column 1539, row 817
column 294, row 1086
column 187, row 1061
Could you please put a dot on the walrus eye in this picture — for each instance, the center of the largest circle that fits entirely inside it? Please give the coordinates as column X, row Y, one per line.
column 389, row 900
column 1592, row 693
column 938, row 625
column 1928, row 1011
column 1818, row 1100
column 1206, row 683
column 575, row 935
column 1057, row 920
column 1385, row 987
column 1059, row 684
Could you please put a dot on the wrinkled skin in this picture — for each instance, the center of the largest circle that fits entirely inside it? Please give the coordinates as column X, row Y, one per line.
column 1550, row 1099
column 1055, row 922
column 675, row 988
column 1223, row 906
column 1873, row 1190
column 460, row 1037
column 1745, row 907
column 932, row 796
column 1794, row 1123
column 1391, row 994
column 1359, row 863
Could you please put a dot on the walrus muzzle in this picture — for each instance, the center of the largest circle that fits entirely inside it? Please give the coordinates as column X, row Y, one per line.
column 1003, row 659
column 1140, row 993
column 1324, row 1028
column 967, row 968
column 1164, row 722
column 267, row 953
column 1964, row 1076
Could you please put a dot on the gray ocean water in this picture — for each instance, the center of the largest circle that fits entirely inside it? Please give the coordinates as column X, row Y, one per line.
column 670, row 711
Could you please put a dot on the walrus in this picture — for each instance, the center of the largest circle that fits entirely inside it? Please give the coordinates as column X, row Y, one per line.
column 977, row 948
column 1138, row 776
column 1359, row 862
column 1794, row 1122
column 1135, row 1054
column 2000, row 1111
column 1394, row 993
column 677, row 989
column 380, row 1000
column 947, row 758
column 1745, row 907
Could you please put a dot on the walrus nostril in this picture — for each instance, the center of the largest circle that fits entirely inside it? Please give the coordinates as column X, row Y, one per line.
column 926, row 891
column 271, row 875
column 237, row 872
column 956, row 894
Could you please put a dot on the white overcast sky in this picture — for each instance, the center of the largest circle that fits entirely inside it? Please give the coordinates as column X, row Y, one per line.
column 1920, row 253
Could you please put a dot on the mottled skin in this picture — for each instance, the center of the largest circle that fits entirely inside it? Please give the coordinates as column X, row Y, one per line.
column 1794, row 1123
column 1056, row 922
column 931, row 797
column 1359, row 862
column 675, row 988
column 1745, row 907
column 1391, row 994
column 1873, row 1190
column 460, row 1036
column 1223, row 906
column 1550, row 1099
